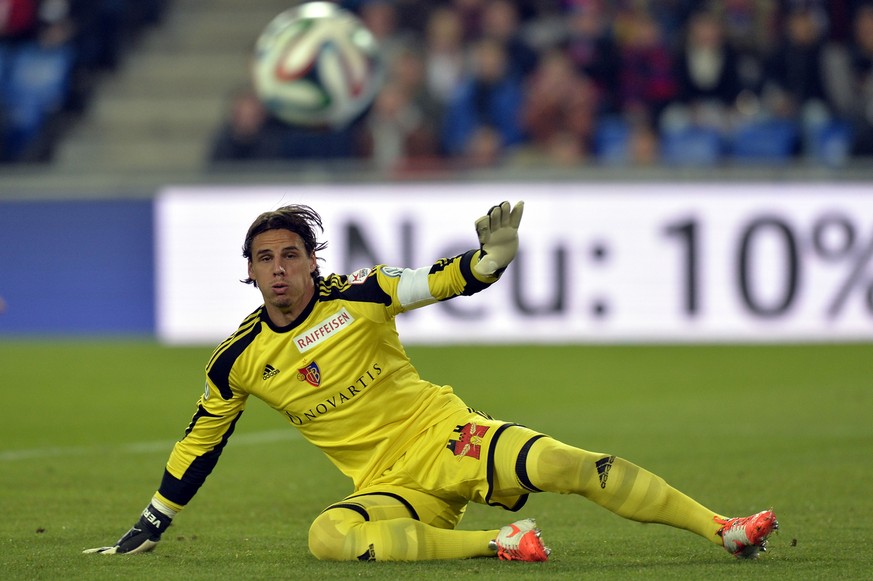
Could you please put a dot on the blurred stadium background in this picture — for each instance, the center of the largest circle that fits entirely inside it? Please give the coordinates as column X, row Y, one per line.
column 96, row 86
column 107, row 103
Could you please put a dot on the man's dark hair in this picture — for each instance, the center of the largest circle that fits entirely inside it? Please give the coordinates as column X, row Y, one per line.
column 300, row 219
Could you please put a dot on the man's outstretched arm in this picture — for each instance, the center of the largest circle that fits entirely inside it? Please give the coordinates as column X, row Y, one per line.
column 462, row 275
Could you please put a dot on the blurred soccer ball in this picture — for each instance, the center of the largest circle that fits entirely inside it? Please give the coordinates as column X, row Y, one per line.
column 317, row 65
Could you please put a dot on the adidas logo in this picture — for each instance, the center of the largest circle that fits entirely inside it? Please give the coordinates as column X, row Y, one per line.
column 269, row 371
column 603, row 465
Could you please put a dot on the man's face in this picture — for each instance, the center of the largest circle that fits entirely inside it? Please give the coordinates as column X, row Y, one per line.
column 283, row 271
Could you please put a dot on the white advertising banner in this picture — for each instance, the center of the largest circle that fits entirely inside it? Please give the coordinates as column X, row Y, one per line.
column 597, row 262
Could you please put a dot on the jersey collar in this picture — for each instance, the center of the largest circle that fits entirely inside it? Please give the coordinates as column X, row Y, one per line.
column 296, row 322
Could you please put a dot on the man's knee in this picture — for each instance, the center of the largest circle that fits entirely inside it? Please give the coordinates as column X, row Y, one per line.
column 327, row 537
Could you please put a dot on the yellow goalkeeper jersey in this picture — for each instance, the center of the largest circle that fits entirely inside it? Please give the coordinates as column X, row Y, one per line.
column 339, row 374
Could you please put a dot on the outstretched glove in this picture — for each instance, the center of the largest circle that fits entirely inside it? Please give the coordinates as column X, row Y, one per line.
column 498, row 238
column 143, row 536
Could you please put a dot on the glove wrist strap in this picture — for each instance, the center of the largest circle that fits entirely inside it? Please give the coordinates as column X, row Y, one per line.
column 155, row 520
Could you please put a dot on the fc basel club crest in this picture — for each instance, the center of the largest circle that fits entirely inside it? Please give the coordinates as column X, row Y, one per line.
column 469, row 442
column 311, row 374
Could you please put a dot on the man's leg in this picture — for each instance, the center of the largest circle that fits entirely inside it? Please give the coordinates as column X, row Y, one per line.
column 616, row 484
column 386, row 527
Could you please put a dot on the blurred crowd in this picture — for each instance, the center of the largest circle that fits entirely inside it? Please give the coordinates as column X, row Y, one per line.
column 569, row 82
column 525, row 82
column 51, row 54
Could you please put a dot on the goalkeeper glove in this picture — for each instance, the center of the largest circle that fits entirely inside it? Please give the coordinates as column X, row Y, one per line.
column 144, row 535
column 498, row 238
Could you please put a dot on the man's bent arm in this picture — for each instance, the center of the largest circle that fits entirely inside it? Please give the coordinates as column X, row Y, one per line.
column 191, row 461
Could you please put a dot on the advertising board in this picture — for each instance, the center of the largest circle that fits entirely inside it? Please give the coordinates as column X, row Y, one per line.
column 597, row 262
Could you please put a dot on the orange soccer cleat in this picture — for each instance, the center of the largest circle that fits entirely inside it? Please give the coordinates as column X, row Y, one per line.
column 745, row 537
column 520, row 541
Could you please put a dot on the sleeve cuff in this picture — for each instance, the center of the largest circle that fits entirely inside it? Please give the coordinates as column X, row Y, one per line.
column 474, row 260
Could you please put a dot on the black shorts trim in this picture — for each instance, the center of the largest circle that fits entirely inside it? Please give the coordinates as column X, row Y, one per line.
column 353, row 507
column 491, row 451
column 412, row 512
column 521, row 464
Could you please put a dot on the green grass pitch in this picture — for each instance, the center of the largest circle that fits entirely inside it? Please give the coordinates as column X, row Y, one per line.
column 87, row 426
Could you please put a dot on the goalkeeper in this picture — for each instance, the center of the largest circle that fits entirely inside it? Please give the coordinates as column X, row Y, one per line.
column 325, row 353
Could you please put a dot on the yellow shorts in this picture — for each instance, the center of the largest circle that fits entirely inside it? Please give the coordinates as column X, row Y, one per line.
column 455, row 462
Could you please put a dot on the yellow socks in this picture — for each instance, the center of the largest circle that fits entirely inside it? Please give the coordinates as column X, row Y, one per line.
column 617, row 485
column 343, row 534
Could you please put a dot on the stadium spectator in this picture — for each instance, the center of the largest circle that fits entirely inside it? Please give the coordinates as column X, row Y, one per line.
column 19, row 20
column 100, row 34
column 402, row 130
column 470, row 14
column 408, row 70
column 490, row 96
column 751, row 27
column 797, row 86
column 501, row 22
column 672, row 17
column 445, row 54
column 644, row 145
column 861, row 63
column 592, row 49
column 838, row 14
column 45, row 23
column 543, row 23
column 483, row 149
column 646, row 79
column 382, row 19
column 393, row 121
column 36, row 60
column 250, row 133
column 708, row 75
column 560, row 110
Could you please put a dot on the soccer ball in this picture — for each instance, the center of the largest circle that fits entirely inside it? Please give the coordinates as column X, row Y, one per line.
column 317, row 65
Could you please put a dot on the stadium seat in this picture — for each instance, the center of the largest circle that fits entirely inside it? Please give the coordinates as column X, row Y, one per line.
column 37, row 85
column 771, row 141
column 691, row 146
column 831, row 143
column 611, row 139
